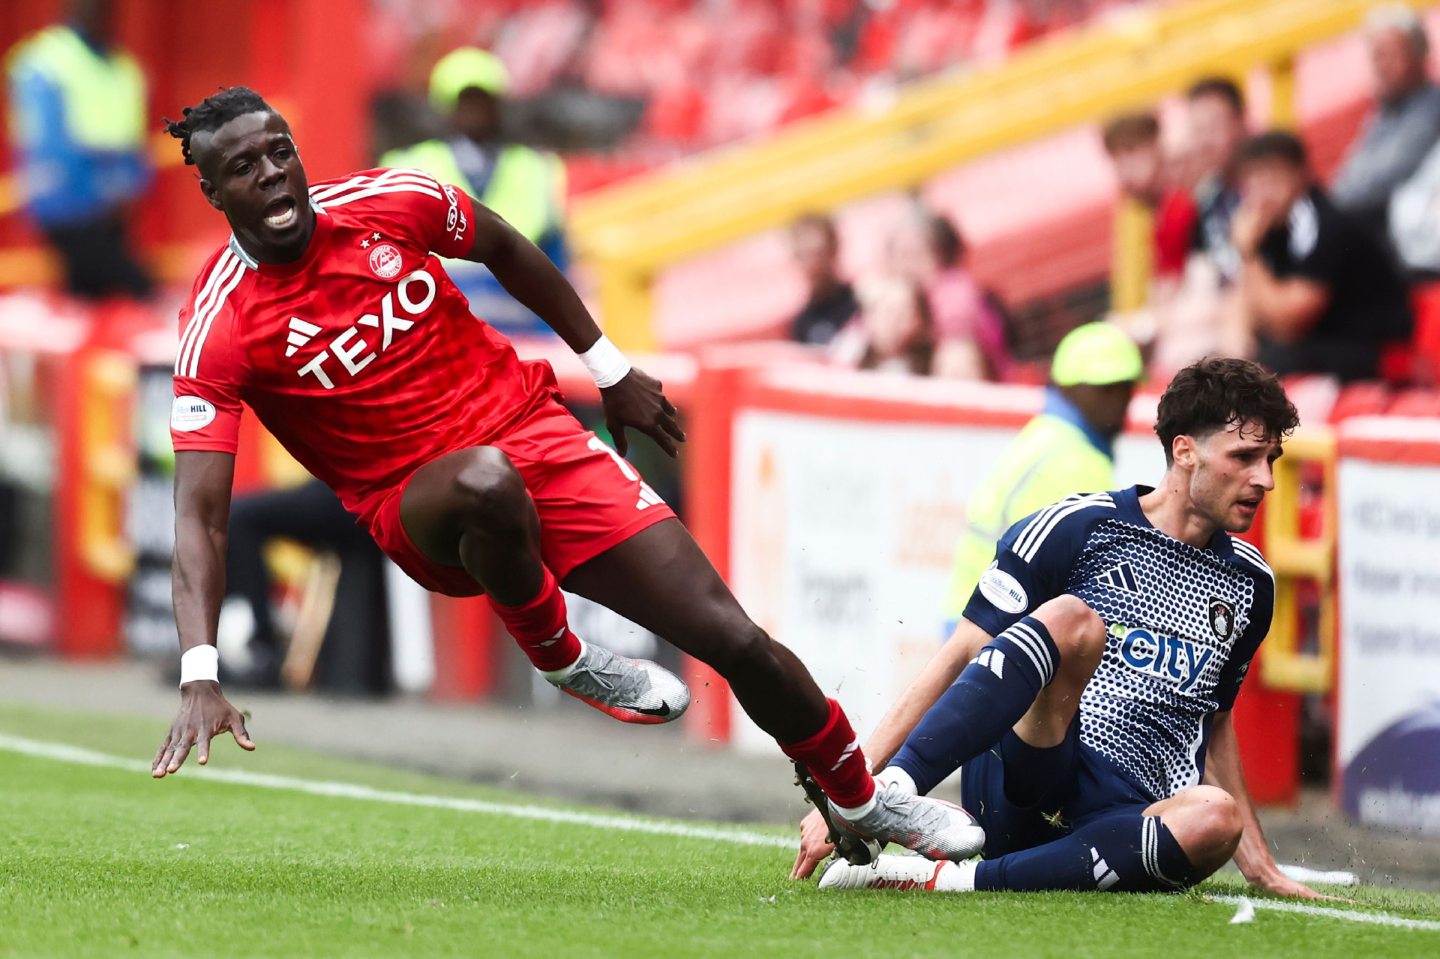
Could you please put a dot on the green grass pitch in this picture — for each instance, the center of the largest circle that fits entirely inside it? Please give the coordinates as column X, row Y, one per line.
column 98, row 861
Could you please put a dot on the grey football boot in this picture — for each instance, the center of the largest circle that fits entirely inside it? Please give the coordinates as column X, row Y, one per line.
column 934, row 828
column 630, row 690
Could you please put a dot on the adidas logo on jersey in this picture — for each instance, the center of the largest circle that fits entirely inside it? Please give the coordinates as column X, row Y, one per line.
column 399, row 309
column 1120, row 577
column 300, row 334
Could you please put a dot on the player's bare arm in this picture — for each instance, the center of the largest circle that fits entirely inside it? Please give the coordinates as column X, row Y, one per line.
column 202, row 511
column 1253, row 857
column 636, row 399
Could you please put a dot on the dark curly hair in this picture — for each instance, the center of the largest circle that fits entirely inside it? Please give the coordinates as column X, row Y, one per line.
column 1213, row 393
column 212, row 113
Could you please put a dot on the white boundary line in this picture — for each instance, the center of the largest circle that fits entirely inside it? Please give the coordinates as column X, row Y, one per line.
column 87, row 757
column 1373, row 918
column 60, row 752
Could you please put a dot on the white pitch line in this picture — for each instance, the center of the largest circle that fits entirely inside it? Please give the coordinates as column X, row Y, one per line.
column 1373, row 918
column 60, row 752
column 88, row 757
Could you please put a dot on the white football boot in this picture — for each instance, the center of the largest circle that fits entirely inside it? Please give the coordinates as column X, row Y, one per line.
column 900, row 872
column 932, row 827
column 630, row 690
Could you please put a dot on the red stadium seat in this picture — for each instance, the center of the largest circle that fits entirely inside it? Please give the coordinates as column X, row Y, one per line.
column 1416, row 402
column 1361, row 399
column 1426, row 301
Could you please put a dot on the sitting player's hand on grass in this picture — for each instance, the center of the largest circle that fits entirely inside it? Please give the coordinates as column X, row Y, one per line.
column 815, row 845
column 1276, row 882
column 204, row 713
column 638, row 402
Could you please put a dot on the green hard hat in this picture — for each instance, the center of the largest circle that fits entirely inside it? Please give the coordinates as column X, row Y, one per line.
column 1096, row 354
column 464, row 68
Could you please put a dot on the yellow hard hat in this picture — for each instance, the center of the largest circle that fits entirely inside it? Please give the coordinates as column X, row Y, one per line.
column 1097, row 354
column 464, row 68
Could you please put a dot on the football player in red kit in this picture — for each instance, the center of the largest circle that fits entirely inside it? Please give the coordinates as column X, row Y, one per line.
column 330, row 315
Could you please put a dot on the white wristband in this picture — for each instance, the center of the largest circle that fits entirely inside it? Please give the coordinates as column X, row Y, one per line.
column 607, row 365
column 200, row 663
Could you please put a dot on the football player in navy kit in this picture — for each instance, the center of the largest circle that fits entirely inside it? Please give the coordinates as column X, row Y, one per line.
column 1086, row 695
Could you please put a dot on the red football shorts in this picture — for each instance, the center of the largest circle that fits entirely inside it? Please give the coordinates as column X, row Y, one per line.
column 588, row 498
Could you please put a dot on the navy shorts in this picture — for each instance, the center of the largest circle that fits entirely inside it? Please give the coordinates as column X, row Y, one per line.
column 1025, row 797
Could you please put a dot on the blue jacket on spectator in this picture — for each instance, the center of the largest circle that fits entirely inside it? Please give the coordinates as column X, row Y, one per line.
column 78, row 124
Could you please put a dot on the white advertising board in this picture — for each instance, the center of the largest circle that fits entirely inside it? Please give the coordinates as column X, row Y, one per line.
column 842, row 535
column 1388, row 737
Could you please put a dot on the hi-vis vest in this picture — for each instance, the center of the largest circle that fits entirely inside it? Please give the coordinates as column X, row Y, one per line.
column 103, row 96
column 525, row 188
column 1046, row 462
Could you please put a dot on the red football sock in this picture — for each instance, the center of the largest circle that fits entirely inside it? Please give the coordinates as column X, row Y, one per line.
column 834, row 758
column 540, row 628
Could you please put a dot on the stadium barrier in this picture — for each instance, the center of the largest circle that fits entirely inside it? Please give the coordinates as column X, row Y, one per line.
column 1300, row 560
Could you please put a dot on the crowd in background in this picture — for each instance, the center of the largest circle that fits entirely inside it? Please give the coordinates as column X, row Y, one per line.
column 653, row 79
column 921, row 311
column 1250, row 255
column 1253, row 256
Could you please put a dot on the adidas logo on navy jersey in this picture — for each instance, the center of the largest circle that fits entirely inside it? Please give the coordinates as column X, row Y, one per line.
column 1120, row 577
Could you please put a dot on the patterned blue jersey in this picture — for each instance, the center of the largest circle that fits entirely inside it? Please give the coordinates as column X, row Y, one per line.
column 1183, row 625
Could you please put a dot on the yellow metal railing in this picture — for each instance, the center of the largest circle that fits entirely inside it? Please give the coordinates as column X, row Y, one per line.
column 1298, row 559
column 631, row 232
column 108, row 464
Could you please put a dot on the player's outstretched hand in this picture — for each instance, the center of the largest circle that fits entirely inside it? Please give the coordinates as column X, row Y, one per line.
column 204, row 714
column 638, row 402
column 1275, row 881
column 815, row 845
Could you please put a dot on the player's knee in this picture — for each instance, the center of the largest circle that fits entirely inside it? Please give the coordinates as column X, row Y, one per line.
column 1207, row 826
column 1077, row 630
column 743, row 649
column 489, row 489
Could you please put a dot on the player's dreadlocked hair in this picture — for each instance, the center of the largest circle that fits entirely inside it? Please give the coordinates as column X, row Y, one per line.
column 212, row 113
column 1214, row 393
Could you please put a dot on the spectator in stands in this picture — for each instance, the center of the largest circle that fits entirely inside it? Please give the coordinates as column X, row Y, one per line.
column 829, row 300
column 78, row 123
column 1133, row 144
column 1414, row 221
column 1320, row 293
column 523, row 185
column 1401, row 129
column 968, row 321
column 1217, row 128
column 1068, row 448
column 894, row 331
column 1185, row 316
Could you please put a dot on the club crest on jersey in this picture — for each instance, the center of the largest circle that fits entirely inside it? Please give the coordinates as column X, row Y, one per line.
column 385, row 261
column 1222, row 617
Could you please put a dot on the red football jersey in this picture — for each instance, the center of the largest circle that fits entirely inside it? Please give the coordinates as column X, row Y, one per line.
column 362, row 358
